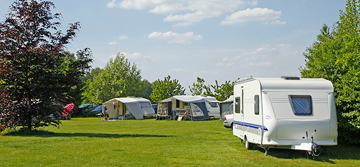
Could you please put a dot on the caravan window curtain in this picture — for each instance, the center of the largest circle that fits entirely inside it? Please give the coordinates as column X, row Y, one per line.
column 301, row 104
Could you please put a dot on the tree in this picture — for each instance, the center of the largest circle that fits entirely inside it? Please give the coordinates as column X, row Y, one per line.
column 39, row 75
column 198, row 87
column 335, row 56
column 220, row 92
column 163, row 89
column 94, row 72
column 118, row 79
column 146, row 89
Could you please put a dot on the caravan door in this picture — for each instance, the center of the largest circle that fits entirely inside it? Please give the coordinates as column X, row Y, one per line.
column 239, row 127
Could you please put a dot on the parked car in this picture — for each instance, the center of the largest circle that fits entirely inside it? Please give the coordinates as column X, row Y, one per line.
column 228, row 122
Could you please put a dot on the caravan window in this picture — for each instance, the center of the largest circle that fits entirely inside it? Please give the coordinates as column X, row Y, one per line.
column 301, row 104
column 185, row 104
column 145, row 104
column 237, row 104
column 256, row 104
column 213, row 104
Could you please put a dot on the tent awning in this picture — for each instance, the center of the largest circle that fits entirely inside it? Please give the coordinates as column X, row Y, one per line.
column 190, row 99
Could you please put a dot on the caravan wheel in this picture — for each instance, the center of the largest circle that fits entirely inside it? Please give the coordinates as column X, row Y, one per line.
column 248, row 145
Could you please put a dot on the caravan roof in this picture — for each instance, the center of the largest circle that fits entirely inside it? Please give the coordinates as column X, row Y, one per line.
column 284, row 84
column 187, row 98
column 229, row 100
column 129, row 99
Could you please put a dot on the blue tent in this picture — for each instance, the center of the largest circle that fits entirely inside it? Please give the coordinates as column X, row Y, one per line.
column 85, row 105
column 99, row 109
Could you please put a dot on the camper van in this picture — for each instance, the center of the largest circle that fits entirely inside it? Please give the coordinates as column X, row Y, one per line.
column 287, row 112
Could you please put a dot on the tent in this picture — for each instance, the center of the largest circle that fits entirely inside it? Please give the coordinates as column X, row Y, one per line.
column 99, row 109
column 226, row 107
column 193, row 107
column 129, row 108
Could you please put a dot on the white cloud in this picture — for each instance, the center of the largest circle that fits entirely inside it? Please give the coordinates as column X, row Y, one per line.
column 113, row 43
column 276, row 22
column 284, row 45
column 184, row 12
column 173, row 37
column 133, row 56
column 123, row 37
column 111, row 4
column 112, row 57
column 136, row 55
column 256, row 14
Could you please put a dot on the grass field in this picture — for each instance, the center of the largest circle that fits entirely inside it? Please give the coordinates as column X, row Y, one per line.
column 91, row 142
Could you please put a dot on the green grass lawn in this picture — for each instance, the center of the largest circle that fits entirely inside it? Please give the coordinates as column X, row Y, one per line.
column 91, row 142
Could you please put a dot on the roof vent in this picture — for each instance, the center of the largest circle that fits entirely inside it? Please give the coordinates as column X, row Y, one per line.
column 290, row 77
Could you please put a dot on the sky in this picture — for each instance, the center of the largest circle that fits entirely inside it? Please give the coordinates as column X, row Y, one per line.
column 221, row 40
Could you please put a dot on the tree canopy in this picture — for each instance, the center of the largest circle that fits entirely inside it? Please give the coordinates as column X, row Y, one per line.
column 198, row 87
column 119, row 78
column 220, row 92
column 163, row 89
column 336, row 56
column 38, row 75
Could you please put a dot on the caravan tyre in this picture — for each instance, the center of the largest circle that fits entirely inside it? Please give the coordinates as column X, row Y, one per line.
column 248, row 145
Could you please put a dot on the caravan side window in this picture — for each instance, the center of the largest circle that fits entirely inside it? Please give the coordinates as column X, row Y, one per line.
column 301, row 104
column 237, row 104
column 177, row 104
column 145, row 105
column 256, row 104
column 213, row 104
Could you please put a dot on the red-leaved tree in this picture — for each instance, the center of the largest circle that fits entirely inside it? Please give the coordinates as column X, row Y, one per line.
column 38, row 75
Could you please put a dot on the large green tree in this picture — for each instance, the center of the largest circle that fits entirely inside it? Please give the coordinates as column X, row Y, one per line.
column 336, row 56
column 119, row 78
column 163, row 89
column 39, row 75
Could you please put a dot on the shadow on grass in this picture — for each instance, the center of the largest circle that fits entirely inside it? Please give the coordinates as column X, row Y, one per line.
column 339, row 152
column 102, row 135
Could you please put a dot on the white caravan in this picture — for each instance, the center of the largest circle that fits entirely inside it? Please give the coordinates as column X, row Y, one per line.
column 286, row 112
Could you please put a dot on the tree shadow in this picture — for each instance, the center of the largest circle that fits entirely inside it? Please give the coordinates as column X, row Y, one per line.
column 42, row 133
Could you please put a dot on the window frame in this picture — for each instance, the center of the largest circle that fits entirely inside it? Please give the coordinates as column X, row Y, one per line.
column 256, row 104
column 237, row 105
column 301, row 96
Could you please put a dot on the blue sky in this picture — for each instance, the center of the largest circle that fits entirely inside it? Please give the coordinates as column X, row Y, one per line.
column 212, row 39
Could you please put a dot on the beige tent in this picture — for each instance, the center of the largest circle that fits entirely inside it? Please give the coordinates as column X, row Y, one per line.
column 129, row 108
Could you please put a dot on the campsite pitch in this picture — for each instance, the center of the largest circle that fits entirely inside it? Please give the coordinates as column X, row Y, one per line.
column 91, row 142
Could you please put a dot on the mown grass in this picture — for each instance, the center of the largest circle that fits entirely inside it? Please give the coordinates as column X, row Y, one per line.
column 90, row 142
